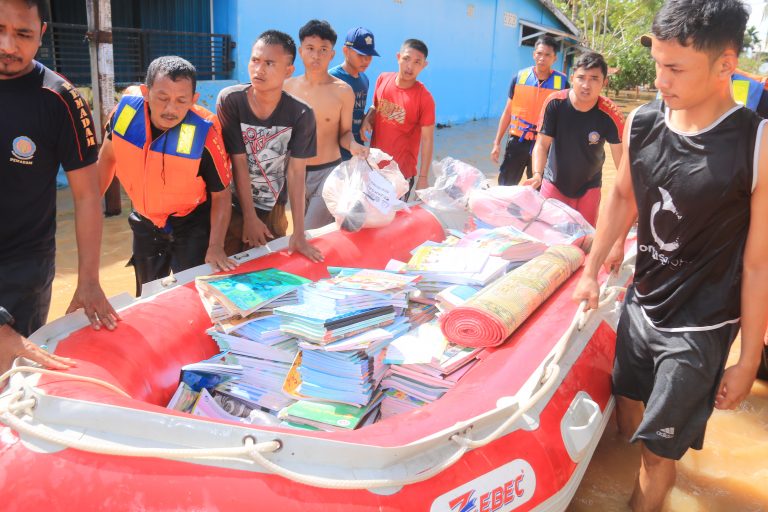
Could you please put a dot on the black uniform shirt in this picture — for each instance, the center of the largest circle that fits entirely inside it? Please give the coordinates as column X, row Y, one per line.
column 45, row 123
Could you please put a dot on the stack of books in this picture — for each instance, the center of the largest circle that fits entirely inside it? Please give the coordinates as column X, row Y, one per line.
column 423, row 367
column 440, row 266
column 247, row 295
column 506, row 242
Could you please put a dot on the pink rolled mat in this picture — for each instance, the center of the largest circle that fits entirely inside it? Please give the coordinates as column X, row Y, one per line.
column 488, row 318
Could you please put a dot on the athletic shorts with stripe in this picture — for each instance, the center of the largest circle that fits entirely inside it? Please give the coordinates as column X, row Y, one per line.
column 675, row 374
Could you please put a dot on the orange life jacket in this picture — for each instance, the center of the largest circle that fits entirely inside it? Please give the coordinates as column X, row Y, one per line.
column 161, row 176
column 528, row 99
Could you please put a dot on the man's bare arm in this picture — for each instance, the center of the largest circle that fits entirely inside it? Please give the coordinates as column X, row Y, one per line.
column 84, row 184
column 221, row 212
column 106, row 165
column 737, row 379
column 506, row 117
column 539, row 159
column 346, row 140
column 297, row 169
column 425, row 160
column 255, row 232
column 620, row 213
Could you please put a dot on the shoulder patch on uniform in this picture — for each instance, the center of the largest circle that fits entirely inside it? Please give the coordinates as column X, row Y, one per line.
column 612, row 110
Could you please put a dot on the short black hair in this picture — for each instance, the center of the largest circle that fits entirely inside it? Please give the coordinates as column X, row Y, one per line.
column 42, row 8
column 591, row 60
column 547, row 40
column 277, row 38
column 708, row 25
column 172, row 66
column 319, row 28
column 416, row 44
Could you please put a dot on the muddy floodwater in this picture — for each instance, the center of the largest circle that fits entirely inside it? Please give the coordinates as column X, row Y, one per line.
column 729, row 475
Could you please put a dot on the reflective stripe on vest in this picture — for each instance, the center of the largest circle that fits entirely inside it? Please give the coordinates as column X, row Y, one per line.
column 746, row 91
column 160, row 176
column 528, row 100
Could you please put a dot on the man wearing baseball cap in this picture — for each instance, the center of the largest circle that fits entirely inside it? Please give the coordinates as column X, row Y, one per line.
column 358, row 51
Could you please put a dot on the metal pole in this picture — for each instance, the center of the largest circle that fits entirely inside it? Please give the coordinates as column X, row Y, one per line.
column 103, row 79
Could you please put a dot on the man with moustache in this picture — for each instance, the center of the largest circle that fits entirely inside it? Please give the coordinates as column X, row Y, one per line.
column 47, row 124
column 332, row 101
column 168, row 154
column 270, row 135
column 358, row 51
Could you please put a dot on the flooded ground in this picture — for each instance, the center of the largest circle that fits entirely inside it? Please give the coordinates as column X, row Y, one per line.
column 729, row 475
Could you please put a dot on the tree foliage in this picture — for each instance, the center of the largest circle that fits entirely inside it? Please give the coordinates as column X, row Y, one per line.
column 613, row 28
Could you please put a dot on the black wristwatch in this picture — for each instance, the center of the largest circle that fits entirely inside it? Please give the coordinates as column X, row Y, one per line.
column 5, row 317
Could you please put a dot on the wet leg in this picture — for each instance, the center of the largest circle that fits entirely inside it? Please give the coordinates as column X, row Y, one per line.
column 656, row 478
column 629, row 414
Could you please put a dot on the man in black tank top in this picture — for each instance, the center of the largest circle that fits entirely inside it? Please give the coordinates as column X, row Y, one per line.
column 696, row 178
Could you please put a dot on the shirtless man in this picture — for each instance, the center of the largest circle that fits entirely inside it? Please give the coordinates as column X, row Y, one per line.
column 333, row 101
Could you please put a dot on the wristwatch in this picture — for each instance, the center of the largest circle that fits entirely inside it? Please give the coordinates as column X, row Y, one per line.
column 5, row 317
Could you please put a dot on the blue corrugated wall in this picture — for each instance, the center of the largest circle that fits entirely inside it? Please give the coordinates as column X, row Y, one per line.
column 471, row 57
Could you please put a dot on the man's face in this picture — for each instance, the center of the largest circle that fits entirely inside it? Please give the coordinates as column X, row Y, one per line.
column 316, row 53
column 588, row 83
column 21, row 33
column 169, row 101
column 685, row 77
column 544, row 57
column 269, row 67
column 411, row 62
column 358, row 62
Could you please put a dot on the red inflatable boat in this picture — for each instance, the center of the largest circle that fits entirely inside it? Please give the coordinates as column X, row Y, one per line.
column 516, row 433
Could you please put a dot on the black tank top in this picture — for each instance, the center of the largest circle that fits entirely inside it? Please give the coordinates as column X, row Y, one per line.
column 693, row 196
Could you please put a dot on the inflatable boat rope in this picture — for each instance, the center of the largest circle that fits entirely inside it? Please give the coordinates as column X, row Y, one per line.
column 16, row 405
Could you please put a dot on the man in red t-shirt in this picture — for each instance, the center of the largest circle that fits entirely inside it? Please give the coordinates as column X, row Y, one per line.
column 403, row 115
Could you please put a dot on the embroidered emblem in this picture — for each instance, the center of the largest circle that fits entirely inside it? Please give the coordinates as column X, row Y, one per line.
column 23, row 148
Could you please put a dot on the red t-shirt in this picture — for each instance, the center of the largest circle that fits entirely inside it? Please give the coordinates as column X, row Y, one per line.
column 400, row 114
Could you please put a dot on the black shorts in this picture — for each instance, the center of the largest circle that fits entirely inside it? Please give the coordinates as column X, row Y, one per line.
column 157, row 252
column 675, row 374
column 25, row 290
column 517, row 158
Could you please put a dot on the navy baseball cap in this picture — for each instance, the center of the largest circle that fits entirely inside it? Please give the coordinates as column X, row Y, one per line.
column 360, row 39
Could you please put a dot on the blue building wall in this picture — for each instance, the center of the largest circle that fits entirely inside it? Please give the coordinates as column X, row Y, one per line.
column 472, row 54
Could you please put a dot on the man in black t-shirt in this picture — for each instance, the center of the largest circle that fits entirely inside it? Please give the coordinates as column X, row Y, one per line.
column 575, row 124
column 178, row 178
column 269, row 135
column 47, row 124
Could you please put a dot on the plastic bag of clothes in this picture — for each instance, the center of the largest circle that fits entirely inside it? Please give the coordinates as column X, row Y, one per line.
column 362, row 193
column 454, row 181
column 547, row 220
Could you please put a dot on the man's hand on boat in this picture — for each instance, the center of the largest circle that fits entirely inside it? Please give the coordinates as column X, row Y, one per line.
column 99, row 311
column 255, row 232
column 587, row 290
column 13, row 345
column 299, row 243
column 217, row 259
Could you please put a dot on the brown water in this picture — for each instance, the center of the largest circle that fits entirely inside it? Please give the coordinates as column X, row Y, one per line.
column 729, row 475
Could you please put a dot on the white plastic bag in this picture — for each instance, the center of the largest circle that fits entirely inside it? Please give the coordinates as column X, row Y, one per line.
column 363, row 193
column 547, row 220
column 454, row 181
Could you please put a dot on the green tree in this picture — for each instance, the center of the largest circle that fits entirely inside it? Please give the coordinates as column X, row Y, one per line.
column 751, row 39
column 613, row 28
